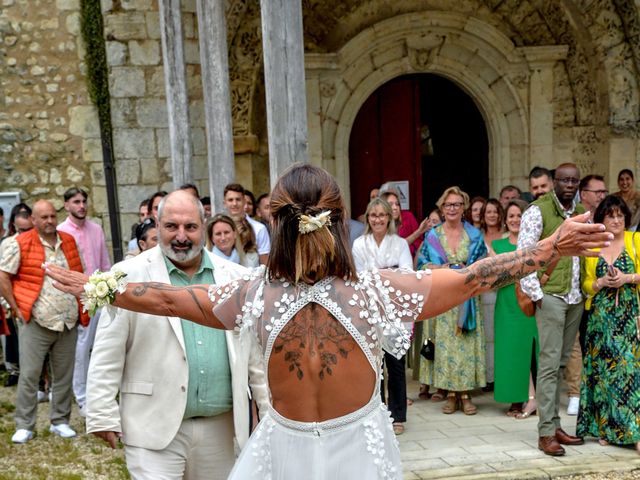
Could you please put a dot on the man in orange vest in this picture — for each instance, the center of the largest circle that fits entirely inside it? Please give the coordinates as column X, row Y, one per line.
column 47, row 319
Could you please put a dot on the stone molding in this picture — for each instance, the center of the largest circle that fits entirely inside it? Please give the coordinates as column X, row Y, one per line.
column 471, row 53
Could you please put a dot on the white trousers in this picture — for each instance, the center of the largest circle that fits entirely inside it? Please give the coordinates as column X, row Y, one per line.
column 84, row 344
column 201, row 450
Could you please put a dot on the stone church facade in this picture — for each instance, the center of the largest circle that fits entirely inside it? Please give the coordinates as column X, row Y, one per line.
column 555, row 81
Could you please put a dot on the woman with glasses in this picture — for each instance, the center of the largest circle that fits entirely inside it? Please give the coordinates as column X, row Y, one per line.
column 610, row 386
column 459, row 362
column 380, row 247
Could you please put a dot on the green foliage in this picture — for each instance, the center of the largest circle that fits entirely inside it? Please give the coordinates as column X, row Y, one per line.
column 96, row 60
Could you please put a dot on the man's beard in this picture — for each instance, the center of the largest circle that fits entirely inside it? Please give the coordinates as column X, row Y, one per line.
column 182, row 256
column 79, row 216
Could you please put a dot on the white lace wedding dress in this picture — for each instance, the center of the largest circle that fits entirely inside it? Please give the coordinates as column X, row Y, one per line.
column 361, row 444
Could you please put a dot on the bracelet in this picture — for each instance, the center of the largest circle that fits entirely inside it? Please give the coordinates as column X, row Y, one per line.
column 633, row 278
column 101, row 289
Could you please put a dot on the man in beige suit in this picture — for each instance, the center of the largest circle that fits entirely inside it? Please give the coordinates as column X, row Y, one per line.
column 184, row 388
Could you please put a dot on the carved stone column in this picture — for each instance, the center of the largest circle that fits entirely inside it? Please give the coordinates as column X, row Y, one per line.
column 176, row 90
column 284, row 82
column 217, row 100
column 541, row 61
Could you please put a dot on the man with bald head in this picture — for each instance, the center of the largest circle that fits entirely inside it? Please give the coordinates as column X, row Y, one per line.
column 183, row 387
column 559, row 304
column 47, row 319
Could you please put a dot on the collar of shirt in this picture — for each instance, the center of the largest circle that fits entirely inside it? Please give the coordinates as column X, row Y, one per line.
column 179, row 278
column 48, row 245
column 567, row 211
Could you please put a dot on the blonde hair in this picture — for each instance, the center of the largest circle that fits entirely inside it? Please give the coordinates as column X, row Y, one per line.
column 455, row 190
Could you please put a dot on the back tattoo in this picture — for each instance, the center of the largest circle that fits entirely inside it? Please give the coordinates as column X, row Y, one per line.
column 315, row 332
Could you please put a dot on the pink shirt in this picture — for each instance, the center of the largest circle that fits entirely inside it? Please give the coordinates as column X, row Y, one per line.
column 91, row 243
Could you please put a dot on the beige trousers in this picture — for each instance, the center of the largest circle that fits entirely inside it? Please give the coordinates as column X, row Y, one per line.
column 574, row 370
column 201, row 450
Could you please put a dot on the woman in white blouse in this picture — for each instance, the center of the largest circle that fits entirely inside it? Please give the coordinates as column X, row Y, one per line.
column 380, row 247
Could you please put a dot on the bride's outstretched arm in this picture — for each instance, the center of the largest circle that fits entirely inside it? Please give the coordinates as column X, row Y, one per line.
column 451, row 287
column 191, row 302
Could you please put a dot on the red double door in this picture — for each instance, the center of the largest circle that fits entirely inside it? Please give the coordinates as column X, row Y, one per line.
column 385, row 145
column 423, row 129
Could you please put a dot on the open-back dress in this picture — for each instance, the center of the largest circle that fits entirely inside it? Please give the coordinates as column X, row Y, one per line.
column 372, row 309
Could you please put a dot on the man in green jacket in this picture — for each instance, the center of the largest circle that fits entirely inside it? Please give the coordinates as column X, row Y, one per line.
column 559, row 304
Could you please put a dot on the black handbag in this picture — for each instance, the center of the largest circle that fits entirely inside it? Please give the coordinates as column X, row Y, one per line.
column 428, row 349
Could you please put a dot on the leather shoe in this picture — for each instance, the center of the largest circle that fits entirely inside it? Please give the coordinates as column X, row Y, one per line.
column 11, row 381
column 565, row 439
column 550, row 446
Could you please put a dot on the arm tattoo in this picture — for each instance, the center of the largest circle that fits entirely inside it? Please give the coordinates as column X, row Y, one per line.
column 142, row 289
column 313, row 333
column 501, row 270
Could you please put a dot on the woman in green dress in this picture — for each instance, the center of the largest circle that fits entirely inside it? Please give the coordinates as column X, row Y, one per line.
column 516, row 335
column 610, row 386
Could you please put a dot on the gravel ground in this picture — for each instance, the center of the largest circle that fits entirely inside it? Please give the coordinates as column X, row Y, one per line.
column 633, row 475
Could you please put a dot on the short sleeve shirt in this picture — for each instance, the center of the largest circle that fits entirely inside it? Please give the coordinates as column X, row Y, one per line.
column 53, row 309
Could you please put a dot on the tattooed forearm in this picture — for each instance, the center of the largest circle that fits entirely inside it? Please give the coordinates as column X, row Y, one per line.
column 500, row 270
column 147, row 288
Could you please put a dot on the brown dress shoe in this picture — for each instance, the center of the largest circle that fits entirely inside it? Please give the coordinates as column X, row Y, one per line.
column 550, row 446
column 565, row 439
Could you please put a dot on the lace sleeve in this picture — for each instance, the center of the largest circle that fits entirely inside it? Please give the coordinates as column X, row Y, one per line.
column 399, row 296
column 235, row 303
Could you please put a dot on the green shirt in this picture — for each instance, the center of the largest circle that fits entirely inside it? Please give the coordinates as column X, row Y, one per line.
column 209, row 390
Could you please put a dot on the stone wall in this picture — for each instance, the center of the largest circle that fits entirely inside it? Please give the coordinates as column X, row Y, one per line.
column 49, row 134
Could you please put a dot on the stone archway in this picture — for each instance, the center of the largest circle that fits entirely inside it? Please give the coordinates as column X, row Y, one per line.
column 513, row 87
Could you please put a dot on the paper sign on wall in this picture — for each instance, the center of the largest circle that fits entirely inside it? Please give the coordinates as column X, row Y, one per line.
column 402, row 187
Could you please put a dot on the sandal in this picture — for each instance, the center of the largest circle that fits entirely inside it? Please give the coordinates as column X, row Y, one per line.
column 514, row 409
column 398, row 428
column 527, row 411
column 438, row 396
column 604, row 443
column 451, row 405
column 409, row 401
column 424, row 392
column 468, row 408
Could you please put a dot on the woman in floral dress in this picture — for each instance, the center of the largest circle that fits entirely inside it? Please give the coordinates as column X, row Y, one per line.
column 459, row 363
column 610, row 387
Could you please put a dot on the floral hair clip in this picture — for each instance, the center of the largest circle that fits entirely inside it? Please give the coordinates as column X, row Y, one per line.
column 311, row 223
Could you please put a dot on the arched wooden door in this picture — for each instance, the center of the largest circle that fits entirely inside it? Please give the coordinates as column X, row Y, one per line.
column 421, row 128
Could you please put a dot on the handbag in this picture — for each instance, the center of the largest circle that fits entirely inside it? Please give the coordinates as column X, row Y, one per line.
column 428, row 350
column 527, row 305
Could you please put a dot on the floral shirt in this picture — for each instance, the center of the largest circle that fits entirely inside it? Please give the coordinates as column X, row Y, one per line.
column 530, row 232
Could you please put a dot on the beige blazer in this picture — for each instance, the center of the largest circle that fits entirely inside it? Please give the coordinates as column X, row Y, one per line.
column 143, row 358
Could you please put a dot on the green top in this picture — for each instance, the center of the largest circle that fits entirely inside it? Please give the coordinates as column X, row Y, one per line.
column 209, row 390
column 553, row 214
